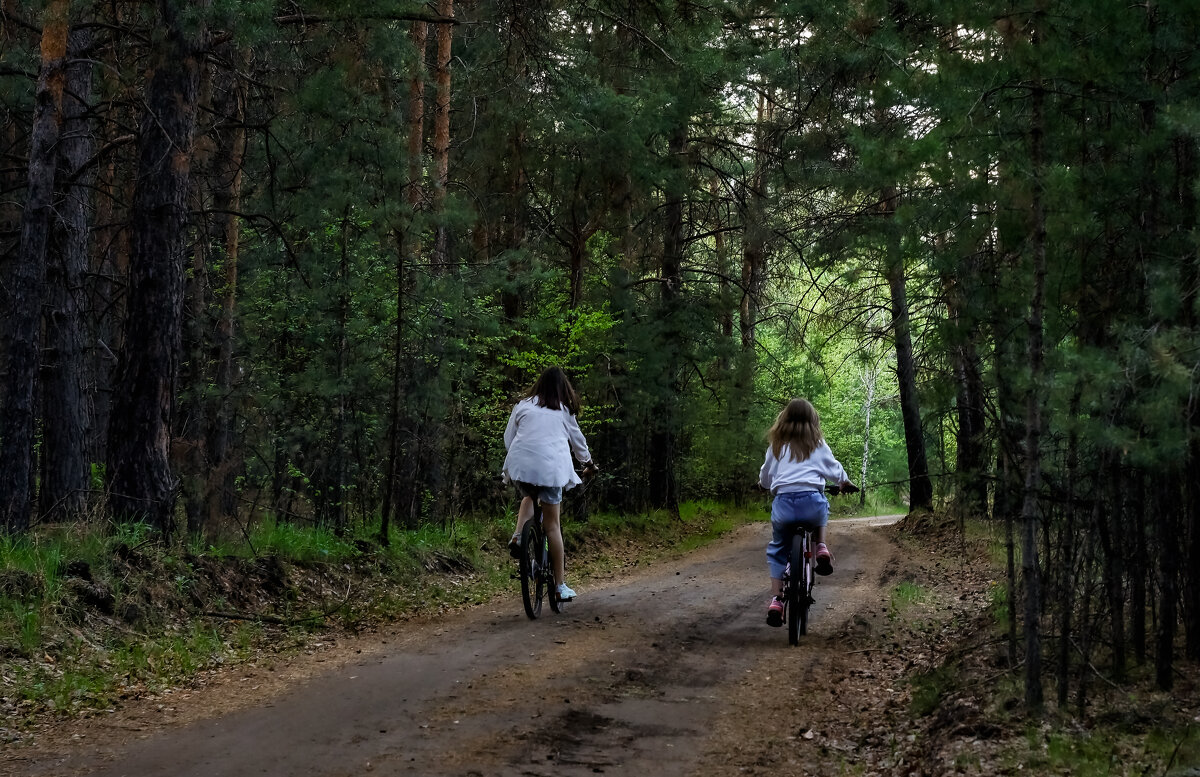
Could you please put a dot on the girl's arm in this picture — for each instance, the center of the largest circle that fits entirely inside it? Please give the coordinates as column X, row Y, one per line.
column 831, row 469
column 575, row 437
column 510, row 431
column 764, row 472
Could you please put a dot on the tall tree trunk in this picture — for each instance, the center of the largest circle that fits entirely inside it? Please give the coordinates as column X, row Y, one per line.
column 754, row 237
column 1069, row 581
column 434, row 436
column 109, row 266
column 1112, row 545
column 341, row 410
column 1166, row 573
column 971, row 485
column 1186, row 179
column 141, row 483
column 221, row 495
column 664, row 488
column 65, row 464
column 403, row 488
column 441, row 134
column 920, row 486
column 1134, row 495
column 1086, row 632
column 27, row 283
column 1030, row 571
column 209, row 467
column 869, row 379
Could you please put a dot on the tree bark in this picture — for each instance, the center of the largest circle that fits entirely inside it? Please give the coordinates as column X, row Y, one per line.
column 441, row 134
column 869, row 380
column 65, row 464
column 664, row 487
column 221, row 496
column 141, row 482
column 402, row 491
column 920, row 486
column 754, row 237
column 27, row 283
column 1030, row 571
column 969, row 469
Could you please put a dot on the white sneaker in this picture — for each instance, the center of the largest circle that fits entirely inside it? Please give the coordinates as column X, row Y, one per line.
column 565, row 594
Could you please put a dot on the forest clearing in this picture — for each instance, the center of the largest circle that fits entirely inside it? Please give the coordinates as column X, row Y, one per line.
column 277, row 275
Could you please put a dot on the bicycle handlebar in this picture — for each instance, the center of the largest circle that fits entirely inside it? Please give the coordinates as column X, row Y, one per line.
column 836, row 489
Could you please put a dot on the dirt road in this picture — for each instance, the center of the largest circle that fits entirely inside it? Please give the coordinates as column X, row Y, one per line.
column 662, row 672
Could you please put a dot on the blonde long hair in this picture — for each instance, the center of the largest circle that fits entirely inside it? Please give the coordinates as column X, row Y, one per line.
column 797, row 426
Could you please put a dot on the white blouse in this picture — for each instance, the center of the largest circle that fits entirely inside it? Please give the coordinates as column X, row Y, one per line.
column 783, row 474
column 540, row 442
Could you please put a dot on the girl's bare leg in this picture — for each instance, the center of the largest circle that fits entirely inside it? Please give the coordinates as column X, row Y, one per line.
column 554, row 534
column 524, row 513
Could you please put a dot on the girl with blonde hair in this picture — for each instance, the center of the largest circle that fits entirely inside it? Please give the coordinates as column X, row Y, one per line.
column 798, row 464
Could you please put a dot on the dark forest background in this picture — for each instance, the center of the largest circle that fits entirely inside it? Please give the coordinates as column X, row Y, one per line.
column 294, row 261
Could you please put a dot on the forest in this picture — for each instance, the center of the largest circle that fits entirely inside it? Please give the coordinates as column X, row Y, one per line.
column 294, row 260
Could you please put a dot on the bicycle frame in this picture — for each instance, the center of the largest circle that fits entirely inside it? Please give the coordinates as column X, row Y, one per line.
column 798, row 582
column 537, row 577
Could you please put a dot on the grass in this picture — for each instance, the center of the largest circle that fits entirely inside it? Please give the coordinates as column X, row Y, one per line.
column 905, row 595
column 878, row 502
column 1107, row 752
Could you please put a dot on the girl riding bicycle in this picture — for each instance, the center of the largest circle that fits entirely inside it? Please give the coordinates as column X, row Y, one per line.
column 541, row 437
column 797, row 466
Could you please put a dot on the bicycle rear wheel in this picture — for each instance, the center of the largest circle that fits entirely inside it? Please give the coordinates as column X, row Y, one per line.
column 533, row 567
column 797, row 593
column 807, row 577
column 552, row 589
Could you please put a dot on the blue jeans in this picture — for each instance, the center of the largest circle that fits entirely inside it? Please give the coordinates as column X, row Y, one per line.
column 791, row 512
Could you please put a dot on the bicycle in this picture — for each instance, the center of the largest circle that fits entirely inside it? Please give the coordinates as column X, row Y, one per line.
column 797, row 588
column 537, row 576
column 534, row 566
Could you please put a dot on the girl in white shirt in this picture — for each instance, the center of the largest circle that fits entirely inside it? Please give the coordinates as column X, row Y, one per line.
column 798, row 464
column 541, row 437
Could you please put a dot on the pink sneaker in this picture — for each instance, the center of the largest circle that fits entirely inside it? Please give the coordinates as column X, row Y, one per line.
column 824, row 560
column 775, row 612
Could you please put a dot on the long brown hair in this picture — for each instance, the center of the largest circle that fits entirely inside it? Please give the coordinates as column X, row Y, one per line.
column 797, row 426
column 553, row 390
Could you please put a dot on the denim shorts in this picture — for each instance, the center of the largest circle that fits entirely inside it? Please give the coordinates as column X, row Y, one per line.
column 547, row 495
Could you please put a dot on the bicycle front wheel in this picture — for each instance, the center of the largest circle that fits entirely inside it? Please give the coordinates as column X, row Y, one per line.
column 533, row 567
column 797, row 604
